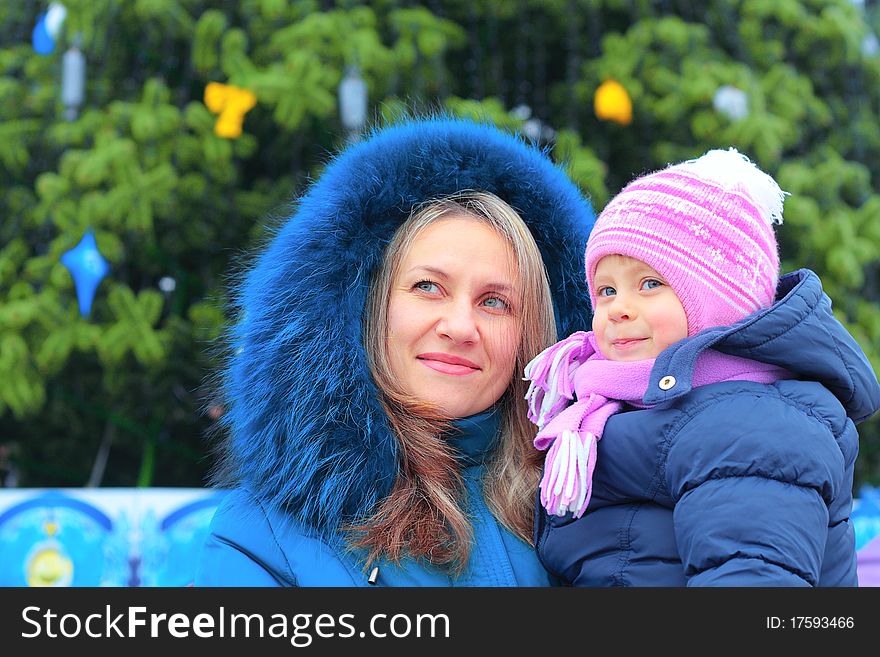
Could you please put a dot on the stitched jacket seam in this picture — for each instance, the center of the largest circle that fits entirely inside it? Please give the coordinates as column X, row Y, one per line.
column 770, row 392
column 277, row 543
column 252, row 557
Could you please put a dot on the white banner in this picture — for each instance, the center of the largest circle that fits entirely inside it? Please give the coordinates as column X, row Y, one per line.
column 103, row 536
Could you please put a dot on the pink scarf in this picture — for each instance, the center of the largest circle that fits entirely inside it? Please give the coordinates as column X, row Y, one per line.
column 571, row 429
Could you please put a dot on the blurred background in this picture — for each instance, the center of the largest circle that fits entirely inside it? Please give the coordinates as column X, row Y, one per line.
column 148, row 148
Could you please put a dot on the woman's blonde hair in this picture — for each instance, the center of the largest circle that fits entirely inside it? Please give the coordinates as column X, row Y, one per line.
column 422, row 517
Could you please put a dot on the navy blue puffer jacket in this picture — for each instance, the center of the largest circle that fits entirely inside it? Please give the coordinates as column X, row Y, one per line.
column 734, row 483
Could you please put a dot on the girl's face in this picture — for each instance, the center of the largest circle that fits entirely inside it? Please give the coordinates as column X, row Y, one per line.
column 453, row 321
column 637, row 315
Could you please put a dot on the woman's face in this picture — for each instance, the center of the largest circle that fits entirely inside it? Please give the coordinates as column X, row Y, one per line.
column 453, row 316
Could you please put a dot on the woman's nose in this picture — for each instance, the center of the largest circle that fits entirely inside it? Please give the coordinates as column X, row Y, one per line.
column 459, row 323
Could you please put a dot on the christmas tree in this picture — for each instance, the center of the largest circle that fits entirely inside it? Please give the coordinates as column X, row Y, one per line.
column 178, row 133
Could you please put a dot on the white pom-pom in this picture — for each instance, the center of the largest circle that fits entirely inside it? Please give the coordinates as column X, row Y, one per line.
column 731, row 169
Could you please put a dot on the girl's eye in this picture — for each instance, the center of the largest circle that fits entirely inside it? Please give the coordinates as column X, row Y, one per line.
column 651, row 284
column 496, row 303
column 606, row 291
column 426, row 286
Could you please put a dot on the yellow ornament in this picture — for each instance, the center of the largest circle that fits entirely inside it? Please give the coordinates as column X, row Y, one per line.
column 612, row 103
column 231, row 103
column 49, row 567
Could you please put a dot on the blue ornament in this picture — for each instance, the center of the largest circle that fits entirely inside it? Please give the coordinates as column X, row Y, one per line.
column 48, row 28
column 43, row 42
column 88, row 268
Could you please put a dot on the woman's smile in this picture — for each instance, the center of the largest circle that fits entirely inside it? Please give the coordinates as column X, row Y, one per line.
column 448, row 364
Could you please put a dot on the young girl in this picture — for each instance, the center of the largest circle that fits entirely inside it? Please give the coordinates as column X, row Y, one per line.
column 703, row 433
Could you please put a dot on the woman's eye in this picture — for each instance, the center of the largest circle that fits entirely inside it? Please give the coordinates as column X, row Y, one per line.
column 651, row 284
column 496, row 303
column 426, row 286
column 607, row 291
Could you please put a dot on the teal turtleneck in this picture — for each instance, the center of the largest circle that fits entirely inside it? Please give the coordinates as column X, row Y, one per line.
column 497, row 557
column 475, row 436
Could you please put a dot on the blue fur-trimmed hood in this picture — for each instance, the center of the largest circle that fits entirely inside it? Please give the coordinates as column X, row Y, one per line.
column 308, row 433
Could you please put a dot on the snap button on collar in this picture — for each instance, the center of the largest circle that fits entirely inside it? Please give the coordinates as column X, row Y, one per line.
column 667, row 382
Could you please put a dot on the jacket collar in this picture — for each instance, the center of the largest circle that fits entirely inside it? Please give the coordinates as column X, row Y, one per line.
column 474, row 436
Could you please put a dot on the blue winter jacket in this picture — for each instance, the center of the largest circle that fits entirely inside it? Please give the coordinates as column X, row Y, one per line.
column 309, row 448
column 251, row 546
column 734, row 483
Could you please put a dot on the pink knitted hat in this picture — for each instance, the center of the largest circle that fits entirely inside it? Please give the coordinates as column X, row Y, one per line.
column 706, row 226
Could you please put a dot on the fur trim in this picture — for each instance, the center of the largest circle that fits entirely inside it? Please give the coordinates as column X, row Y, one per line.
column 308, row 433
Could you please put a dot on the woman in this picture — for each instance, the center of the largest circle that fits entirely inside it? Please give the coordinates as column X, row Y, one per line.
column 377, row 429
